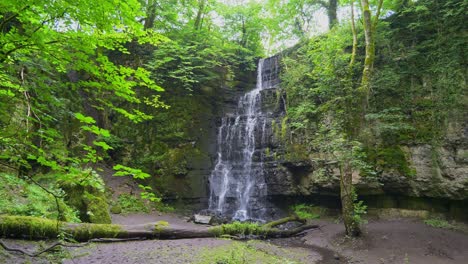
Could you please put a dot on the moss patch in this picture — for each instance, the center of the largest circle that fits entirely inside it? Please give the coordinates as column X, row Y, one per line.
column 239, row 229
column 391, row 158
column 91, row 203
column 98, row 209
column 116, row 209
column 88, row 231
column 239, row 253
column 28, row 226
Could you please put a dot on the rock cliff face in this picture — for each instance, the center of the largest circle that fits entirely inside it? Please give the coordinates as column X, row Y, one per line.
column 436, row 177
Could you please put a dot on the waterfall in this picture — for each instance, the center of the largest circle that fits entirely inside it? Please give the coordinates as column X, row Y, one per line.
column 237, row 183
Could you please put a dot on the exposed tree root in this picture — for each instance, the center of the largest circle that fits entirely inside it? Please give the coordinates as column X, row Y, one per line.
column 56, row 244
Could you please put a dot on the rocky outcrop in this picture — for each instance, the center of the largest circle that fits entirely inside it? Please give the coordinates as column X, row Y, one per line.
column 437, row 172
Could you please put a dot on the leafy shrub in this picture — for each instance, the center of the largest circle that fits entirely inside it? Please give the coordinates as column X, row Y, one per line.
column 132, row 204
column 360, row 209
column 305, row 211
column 18, row 197
column 439, row 223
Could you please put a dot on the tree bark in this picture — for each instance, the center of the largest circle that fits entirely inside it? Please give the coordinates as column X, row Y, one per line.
column 331, row 12
column 150, row 14
column 369, row 32
column 355, row 40
column 347, row 204
column 200, row 12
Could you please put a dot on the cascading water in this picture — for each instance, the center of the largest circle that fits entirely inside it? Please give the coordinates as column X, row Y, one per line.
column 237, row 183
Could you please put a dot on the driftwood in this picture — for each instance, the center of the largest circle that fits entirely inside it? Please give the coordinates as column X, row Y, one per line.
column 38, row 228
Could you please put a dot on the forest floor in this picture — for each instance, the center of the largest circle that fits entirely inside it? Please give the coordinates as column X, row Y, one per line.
column 384, row 241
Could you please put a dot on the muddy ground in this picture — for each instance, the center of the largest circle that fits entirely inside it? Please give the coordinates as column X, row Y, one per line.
column 384, row 241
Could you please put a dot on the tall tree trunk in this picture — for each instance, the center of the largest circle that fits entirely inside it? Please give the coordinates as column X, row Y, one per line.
column 353, row 29
column 346, row 172
column 331, row 12
column 200, row 12
column 150, row 14
column 369, row 34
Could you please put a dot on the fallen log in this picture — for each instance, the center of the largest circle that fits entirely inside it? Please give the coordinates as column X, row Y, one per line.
column 40, row 228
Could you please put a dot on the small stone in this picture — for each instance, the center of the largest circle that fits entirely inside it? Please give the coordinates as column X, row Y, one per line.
column 202, row 219
column 336, row 256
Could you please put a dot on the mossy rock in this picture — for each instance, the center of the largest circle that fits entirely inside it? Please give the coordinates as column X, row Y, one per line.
column 392, row 158
column 90, row 202
column 116, row 209
column 98, row 209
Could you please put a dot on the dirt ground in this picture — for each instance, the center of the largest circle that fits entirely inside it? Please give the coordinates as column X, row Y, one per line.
column 393, row 241
column 384, row 241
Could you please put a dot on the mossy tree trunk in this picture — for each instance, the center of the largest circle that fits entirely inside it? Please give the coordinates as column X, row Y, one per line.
column 39, row 228
column 331, row 12
column 355, row 39
column 347, row 204
column 352, row 227
column 370, row 25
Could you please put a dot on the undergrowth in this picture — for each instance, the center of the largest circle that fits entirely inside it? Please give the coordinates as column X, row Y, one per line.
column 439, row 223
column 127, row 203
column 239, row 253
column 305, row 211
column 18, row 197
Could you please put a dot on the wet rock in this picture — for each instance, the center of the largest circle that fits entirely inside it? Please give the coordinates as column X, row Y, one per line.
column 202, row 219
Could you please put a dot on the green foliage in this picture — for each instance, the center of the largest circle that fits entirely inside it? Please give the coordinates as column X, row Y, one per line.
column 359, row 209
column 305, row 211
column 439, row 223
column 391, row 158
column 52, row 114
column 18, row 197
column 240, row 253
column 122, row 170
column 131, row 204
column 417, row 87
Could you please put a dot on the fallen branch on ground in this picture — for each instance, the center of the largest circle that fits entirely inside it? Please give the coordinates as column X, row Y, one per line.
column 56, row 244
column 39, row 228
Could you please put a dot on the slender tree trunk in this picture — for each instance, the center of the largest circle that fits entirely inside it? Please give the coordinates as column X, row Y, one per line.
column 347, row 204
column 369, row 34
column 355, row 40
column 331, row 11
column 150, row 14
column 201, row 11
